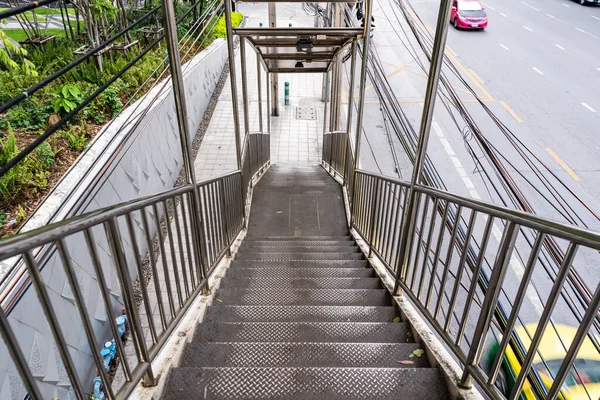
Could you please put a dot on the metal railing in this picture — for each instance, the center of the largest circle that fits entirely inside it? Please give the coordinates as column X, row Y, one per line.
column 256, row 156
column 455, row 270
column 181, row 256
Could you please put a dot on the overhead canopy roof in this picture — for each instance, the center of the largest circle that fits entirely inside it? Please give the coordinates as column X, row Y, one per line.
column 298, row 49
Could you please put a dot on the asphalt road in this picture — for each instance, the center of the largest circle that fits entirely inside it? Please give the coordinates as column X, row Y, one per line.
column 537, row 67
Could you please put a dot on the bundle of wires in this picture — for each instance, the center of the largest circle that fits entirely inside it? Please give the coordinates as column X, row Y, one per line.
column 495, row 174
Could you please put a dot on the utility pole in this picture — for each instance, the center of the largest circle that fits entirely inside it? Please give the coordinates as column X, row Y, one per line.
column 275, row 78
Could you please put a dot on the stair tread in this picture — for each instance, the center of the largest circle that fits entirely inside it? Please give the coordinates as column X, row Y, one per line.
column 311, row 243
column 300, row 272
column 283, row 354
column 256, row 255
column 278, row 313
column 291, row 248
column 340, row 332
column 236, row 263
column 301, row 283
column 372, row 297
column 306, row 383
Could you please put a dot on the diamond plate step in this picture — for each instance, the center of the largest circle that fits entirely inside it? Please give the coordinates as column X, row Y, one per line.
column 260, row 256
column 336, row 332
column 316, row 297
column 291, row 248
column 306, row 383
column 277, row 282
column 299, row 263
column 254, row 243
column 269, row 354
column 300, row 272
column 223, row 313
column 298, row 238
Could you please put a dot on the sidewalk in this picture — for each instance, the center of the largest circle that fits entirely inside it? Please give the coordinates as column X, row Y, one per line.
column 292, row 140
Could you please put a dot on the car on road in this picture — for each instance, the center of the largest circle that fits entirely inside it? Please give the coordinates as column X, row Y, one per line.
column 584, row 384
column 468, row 14
column 586, row 2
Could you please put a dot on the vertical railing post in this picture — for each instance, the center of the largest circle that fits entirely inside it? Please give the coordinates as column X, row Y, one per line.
column 224, row 216
column 268, row 103
column 410, row 214
column 363, row 79
column 505, row 249
column 114, row 241
column 61, row 344
column 233, row 82
column 374, row 210
column 83, row 314
column 182, row 121
column 244, row 86
column 259, row 81
column 18, row 359
column 350, row 103
column 582, row 331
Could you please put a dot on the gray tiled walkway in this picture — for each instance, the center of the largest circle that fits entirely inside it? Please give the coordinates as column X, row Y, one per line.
column 292, row 140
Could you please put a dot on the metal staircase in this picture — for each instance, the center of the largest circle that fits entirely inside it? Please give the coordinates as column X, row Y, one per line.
column 302, row 316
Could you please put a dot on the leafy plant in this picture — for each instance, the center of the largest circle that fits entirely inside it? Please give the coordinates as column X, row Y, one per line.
column 21, row 214
column 2, row 218
column 67, row 99
column 26, row 178
column 9, row 51
column 45, row 154
column 76, row 141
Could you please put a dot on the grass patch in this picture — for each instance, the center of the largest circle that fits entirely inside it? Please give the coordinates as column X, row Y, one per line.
column 19, row 35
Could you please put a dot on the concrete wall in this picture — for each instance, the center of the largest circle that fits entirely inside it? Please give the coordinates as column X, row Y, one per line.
column 121, row 164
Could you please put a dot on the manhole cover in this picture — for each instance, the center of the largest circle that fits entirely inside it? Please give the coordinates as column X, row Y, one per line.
column 306, row 113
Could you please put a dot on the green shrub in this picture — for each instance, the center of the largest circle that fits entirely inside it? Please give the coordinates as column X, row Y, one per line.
column 67, row 98
column 45, row 154
column 76, row 141
column 24, row 179
column 220, row 30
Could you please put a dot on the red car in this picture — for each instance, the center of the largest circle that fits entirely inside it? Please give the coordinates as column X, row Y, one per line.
column 468, row 14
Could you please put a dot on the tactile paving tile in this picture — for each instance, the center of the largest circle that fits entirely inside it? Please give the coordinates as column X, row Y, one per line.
column 307, row 383
column 223, row 313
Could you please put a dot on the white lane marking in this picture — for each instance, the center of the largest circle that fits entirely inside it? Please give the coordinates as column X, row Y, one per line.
column 530, row 6
column 559, row 46
column 447, row 146
column 528, row 28
column 566, row 5
column 593, row 16
column 515, row 264
column 469, row 183
column 580, row 30
column 598, row 69
column 550, row 16
column 474, row 194
column 488, row 6
column 588, row 107
column 504, row 15
column 437, row 129
column 504, row 47
column 537, row 70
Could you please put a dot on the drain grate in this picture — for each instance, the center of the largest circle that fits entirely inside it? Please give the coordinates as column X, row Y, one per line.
column 306, row 113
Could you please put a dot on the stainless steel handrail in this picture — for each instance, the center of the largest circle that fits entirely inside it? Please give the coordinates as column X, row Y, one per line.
column 431, row 277
column 186, row 263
